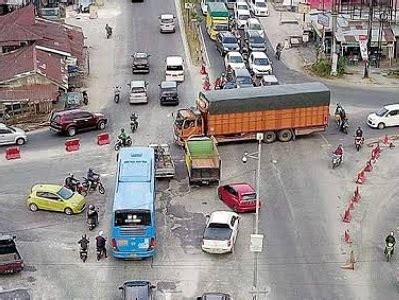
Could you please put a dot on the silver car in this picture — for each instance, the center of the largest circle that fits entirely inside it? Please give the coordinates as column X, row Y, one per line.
column 12, row 135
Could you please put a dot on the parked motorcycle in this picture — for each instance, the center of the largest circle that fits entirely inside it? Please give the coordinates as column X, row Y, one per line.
column 77, row 187
column 93, row 186
column 134, row 124
column 117, row 92
column 119, row 144
column 336, row 160
column 359, row 142
column 388, row 251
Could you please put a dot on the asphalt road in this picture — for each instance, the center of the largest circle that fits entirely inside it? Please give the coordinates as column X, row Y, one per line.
column 301, row 196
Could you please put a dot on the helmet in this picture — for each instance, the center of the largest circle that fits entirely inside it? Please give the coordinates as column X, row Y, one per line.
column 392, row 233
column 359, row 127
column 101, row 233
column 122, row 130
column 70, row 175
column 91, row 207
column 90, row 170
column 84, row 236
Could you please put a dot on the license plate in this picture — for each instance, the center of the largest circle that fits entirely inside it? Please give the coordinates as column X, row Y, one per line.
column 122, row 243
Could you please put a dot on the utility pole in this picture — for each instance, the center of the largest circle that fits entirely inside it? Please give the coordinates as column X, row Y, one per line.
column 334, row 54
column 369, row 36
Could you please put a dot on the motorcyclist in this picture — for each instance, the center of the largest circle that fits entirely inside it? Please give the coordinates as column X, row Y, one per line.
column 229, row 73
column 71, row 182
column 133, row 117
column 100, row 242
column 339, row 110
column 123, row 137
column 84, row 243
column 108, row 29
column 92, row 177
column 92, row 213
column 390, row 239
column 339, row 152
column 359, row 132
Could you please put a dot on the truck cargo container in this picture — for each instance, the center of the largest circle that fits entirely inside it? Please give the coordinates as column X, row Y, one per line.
column 280, row 112
column 202, row 160
column 217, row 19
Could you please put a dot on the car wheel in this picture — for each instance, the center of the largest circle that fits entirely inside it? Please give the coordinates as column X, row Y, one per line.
column 101, row 125
column 68, row 211
column 33, row 207
column 20, row 141
column 381, row 126
column 71, row 131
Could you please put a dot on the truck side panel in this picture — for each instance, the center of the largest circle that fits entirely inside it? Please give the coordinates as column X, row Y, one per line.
column 269, row 120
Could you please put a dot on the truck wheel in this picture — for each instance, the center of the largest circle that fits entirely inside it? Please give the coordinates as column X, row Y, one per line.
column 269, row 137
column 285, row 135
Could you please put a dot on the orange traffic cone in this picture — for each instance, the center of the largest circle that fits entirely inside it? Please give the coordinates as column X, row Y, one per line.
column 361, row 177
column 203, row 70
column 347, row 237
column 347, row 217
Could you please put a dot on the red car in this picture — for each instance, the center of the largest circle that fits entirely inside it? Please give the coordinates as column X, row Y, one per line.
column 72, row 121
column 241, row 197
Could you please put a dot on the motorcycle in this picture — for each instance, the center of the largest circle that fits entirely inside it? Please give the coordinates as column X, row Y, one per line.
column 358, row 142
column 117, row 93
column 119, row 144
column 100, row 253
column 108, row 31
column 77, row 187
column 83, row 254
column 388, row 251
column 344, row 127
column 92, row 221
column 134, row 124
column 336, row 160
column 92, row 186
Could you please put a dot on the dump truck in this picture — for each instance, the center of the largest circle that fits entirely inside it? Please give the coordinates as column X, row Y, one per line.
column 164, row 165
column 202, row 160
column 217, row 19
column 279, row 112
column 10, row 259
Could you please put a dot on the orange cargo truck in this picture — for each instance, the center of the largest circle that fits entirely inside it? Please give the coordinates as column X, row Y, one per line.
column 280, row 112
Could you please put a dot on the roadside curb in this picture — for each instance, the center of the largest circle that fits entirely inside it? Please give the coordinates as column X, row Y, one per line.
column 183, row 33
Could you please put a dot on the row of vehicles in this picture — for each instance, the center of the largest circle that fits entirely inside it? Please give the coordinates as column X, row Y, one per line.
column 258, row 8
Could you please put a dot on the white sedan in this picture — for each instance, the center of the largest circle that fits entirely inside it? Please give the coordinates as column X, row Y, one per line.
column 234, row 59
column 259, row 64
column 220, row 232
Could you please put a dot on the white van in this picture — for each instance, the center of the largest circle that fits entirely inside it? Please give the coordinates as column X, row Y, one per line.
column 254, row 24
column 241, row 18
column 386, row 116
column 259, row 8
column 174, row 70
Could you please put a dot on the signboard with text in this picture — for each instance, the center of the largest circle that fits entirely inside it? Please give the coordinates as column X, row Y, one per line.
column 363, row 47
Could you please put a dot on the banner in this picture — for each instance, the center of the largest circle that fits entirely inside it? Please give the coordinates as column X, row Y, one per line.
column 363, row 47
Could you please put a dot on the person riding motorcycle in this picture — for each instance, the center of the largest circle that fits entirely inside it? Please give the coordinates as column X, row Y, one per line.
column 92, row 214
column 339, row 152
column 71, row 182
column 390, row 239
column 340, row 112
column 100, row 243
column 84, row 243
column 92, row 177
column 359, row 132
column 133, row 117
column 123, row 137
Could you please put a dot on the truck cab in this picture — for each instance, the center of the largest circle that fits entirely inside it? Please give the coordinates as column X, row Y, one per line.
column 10, row 259
column 217, row 19
column 188, row 122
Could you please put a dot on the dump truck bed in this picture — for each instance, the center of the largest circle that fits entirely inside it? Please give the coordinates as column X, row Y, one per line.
column 164, row 165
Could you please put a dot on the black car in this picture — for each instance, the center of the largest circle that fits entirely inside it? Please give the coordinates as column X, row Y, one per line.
column 137, row 289
column 141, row 63
column 230, row 85
column 214, row 296
column 242, row 78
column 253, row 41
column 168, row 93
column 226, row 42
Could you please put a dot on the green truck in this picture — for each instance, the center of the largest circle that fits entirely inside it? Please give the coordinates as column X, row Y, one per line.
column 202, row 160
column 217, row 19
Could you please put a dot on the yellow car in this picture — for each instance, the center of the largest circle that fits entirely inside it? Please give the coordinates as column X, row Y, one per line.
column 55, row 197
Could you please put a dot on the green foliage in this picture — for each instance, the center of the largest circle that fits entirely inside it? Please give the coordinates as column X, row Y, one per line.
column 322, row 67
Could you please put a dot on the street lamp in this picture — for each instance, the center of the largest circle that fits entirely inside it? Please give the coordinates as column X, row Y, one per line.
column 256, row 239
